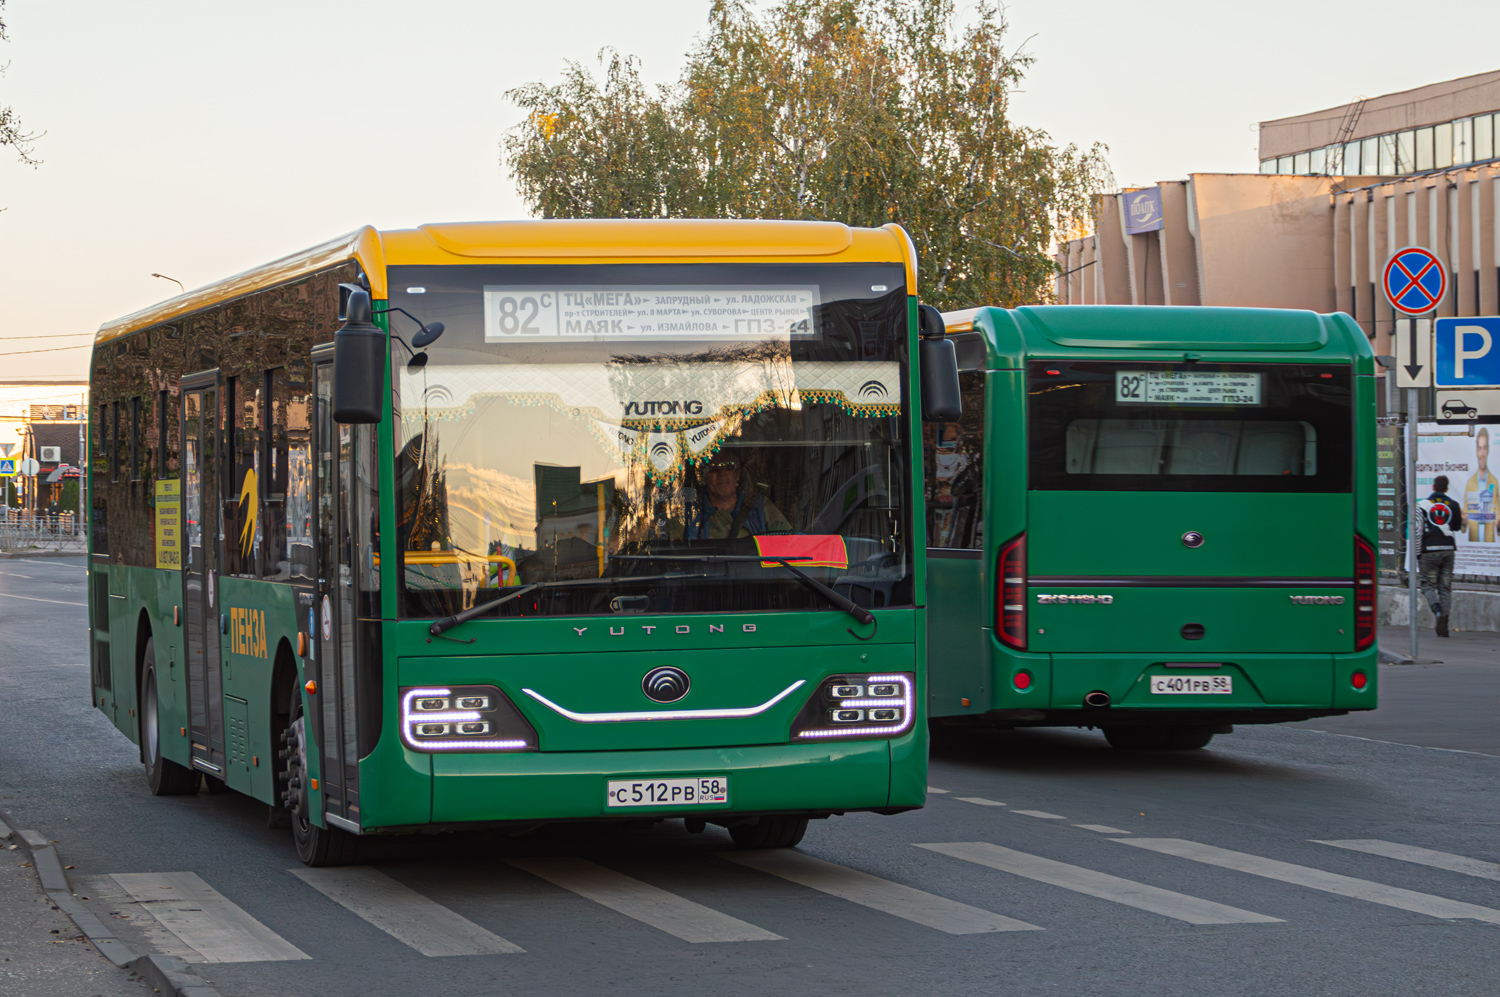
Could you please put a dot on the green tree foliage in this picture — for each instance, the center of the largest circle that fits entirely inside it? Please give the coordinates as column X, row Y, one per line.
column 11, row 133
column 860, row 111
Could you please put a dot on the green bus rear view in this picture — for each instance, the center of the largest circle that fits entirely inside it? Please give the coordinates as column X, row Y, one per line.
column 624, row 527
column 1155, row 521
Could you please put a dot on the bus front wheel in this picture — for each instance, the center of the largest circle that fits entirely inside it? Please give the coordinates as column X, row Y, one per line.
column 316, row 846
column 164, row 776
column 781, row 831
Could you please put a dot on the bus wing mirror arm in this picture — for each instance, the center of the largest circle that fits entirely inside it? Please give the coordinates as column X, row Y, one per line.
column 359, row 354
column 937, row 363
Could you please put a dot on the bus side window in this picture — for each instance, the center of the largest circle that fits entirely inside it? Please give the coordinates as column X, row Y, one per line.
column 136, row 431
column 954, row 454
column 289, row 482
column 114, row 442
column 242, row 517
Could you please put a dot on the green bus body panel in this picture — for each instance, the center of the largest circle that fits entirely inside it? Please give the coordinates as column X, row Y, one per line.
column 1140, row 533
column 605, row 682
column 1291, row 655
column 1150, row 621
column 567, row 785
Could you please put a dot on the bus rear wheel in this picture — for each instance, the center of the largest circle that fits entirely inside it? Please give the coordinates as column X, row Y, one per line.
column 1189, row 738
column 780, row 831
column 316, row 846
column 164, row 776
column 1137, row 738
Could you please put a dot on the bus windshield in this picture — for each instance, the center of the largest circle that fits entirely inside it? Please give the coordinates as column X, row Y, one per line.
column 651, row 435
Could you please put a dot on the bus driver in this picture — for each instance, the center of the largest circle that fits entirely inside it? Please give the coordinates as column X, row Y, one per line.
column 726, row 507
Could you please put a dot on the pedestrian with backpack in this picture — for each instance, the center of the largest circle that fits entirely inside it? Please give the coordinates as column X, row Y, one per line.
column 1440, row 517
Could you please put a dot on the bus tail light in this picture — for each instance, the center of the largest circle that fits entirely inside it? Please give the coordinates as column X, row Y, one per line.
column 857, row 706
column 463, row 718
column 1010, row 593
column 1364, row 594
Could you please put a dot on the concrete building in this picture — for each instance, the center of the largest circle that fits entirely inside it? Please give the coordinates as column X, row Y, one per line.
column 1337, row 192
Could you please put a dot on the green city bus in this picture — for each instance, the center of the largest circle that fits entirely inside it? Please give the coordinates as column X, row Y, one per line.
column 1154, row 521
column 501, row 524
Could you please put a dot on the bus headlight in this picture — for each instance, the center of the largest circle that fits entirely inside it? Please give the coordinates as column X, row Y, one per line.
column 857, row 706
column 463, row 718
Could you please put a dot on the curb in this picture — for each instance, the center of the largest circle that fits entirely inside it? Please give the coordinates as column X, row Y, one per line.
column 168, row 975
column 6, row 554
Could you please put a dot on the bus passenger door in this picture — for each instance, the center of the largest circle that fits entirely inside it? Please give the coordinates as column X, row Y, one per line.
column 333, row 711
column 200, row 576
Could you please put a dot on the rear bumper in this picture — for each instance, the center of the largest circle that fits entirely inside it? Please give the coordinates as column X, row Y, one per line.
column 1267, row 688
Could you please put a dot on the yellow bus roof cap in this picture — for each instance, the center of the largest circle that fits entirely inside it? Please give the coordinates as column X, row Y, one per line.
column 640, row 237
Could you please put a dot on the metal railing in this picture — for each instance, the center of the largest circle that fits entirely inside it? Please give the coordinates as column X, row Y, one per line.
column 22, row 530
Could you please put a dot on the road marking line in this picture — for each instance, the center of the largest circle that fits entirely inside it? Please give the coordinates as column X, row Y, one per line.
column 403, row 913
column 32, row 598
column 692, row 922
column 1101, row 828
column 1402, row 744
column 979, row 800
column 1421, row 856
column 204, row 919
column 1044, row 815
column 934, row 789
column 1098, row 884
column 878, row 894
column 1317, row 879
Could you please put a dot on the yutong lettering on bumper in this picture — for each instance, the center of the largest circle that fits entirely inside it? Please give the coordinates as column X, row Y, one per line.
column 612, row 524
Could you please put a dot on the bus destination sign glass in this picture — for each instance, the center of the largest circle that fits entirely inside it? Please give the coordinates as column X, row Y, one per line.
column 621, row 313
column 1178, row 387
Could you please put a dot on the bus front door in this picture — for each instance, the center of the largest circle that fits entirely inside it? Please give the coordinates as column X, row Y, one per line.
column 200, row 576
column 332, row 711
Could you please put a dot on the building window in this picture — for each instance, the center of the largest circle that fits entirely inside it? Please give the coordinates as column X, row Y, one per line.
column 1268, row 166
column 1318, row 161
column 1463, row 141
column 1284, row 164
column 1484, row 138
column 1350, row 163
column 1422, row 151
column 1442, row 146
column 1369, row 155
column 1302, row 163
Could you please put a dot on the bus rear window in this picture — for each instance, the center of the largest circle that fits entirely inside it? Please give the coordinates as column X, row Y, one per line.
column 1190, row 427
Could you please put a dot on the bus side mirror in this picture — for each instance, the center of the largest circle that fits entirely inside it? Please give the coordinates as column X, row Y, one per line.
column 359, row 353
column 938, row 364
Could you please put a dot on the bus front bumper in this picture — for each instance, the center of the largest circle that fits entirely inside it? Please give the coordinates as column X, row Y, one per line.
column 817, row 779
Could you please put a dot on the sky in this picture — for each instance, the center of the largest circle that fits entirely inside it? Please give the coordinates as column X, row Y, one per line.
column 198, row 139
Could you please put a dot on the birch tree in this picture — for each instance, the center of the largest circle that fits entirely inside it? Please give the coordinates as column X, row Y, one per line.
column 860, row 111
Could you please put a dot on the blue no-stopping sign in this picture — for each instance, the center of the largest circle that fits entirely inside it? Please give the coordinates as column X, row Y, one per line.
column 1415, row 280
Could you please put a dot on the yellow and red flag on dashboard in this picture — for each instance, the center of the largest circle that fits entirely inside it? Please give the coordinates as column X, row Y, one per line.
column 804, row 550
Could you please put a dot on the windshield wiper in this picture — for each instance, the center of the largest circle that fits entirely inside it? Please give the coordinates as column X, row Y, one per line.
column 448, row 623
column 855, row 610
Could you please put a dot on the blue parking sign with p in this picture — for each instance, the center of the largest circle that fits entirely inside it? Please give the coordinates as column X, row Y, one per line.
column 1466, row 352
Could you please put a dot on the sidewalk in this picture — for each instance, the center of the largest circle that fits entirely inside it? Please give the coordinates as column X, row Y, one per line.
column 1474, row 647
column 42, row 953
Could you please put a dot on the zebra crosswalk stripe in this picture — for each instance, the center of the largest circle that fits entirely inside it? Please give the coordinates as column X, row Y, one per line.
column 204, row 919
column 692, row 922
column 403, row 913
column 1316, row 879
column 878, row 894
column 1098, row 884
column 1421, row 856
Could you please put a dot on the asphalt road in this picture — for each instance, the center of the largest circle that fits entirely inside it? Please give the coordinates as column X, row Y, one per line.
column 1045, row 862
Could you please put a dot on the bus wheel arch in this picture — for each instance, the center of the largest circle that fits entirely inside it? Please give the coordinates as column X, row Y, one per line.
column 283, row 681
column 143, row 637
column 164, row 776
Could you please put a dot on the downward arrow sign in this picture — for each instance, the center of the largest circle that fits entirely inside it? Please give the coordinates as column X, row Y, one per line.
column 1412, row 369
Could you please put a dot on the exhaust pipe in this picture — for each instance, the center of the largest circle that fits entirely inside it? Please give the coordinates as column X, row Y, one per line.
column 1097, row 698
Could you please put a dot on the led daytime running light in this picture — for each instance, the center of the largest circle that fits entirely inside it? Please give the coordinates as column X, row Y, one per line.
column 905, row 704
column 411, row 718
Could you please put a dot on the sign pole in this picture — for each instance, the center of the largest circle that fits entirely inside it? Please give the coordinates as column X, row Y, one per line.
column 1412, row 523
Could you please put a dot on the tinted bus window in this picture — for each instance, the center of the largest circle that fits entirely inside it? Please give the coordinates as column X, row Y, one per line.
column 954, row 458
column 1131, row 426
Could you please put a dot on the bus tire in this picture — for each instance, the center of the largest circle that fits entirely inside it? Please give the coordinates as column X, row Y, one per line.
column 1137, row 738
column 779, row 831
column 164, row 776
column 1189, row 738
column 316, row 846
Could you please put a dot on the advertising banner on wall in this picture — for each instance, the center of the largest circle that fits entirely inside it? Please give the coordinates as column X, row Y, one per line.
column 1465, row 460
